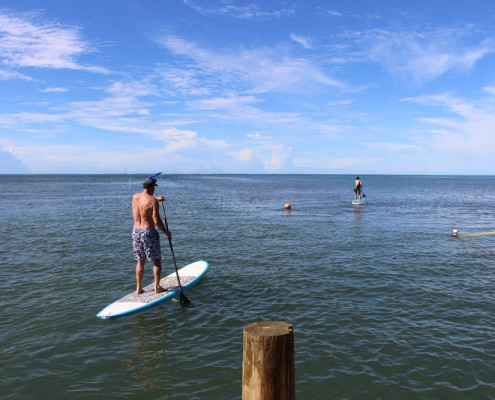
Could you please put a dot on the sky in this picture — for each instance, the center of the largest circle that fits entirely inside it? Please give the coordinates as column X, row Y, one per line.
column 230, row 86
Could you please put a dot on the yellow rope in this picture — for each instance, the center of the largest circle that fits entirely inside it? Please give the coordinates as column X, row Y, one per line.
column 475, row 234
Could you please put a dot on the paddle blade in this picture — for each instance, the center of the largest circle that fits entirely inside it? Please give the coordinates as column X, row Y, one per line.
column 184, row 301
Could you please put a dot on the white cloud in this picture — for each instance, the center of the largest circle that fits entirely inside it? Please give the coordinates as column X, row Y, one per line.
column 243, row 155
column 19, row 120
column 6, row 75
column 345, row 102
column 120, row 111
column 241, row 109
column 220, row 103
column 394, row 147
column 255, row 71
column 258, row 136
column 177, row 139
column 424, row 55
column 10, row 163
column 238, row 11
column 180, row 81
column 465, row 127
column 302, row 40
column 216, row 145
column 277, row 162
column 55, row 90
column 131, row 89
column 26, row 41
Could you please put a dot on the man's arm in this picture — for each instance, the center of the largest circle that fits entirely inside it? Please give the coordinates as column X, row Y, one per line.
column 158, row 220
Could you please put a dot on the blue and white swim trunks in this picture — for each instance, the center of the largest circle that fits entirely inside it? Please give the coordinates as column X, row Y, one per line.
column 146, row 244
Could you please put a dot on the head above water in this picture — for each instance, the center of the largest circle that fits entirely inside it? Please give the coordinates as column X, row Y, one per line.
column 357, row 177
column 149, row 183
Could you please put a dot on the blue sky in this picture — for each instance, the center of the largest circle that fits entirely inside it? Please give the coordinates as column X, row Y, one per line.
column 231, row 86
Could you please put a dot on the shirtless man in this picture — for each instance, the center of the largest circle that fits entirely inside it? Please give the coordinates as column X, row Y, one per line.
column 145, row 238
column 357, row 188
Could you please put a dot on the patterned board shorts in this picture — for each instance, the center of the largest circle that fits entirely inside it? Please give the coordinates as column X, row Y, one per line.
column 146, row 244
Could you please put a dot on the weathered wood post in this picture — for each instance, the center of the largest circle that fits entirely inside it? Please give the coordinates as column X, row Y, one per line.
column 268, row 362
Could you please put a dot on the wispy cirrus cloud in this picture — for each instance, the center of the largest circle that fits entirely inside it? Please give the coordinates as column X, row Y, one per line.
column 243, row 109
column 54, row 90
column 255, row 71
column 239, row 9
column 394, row 147
column 6, row 75
column 28, row 41
column 120, row 110
column 258, row 136
column 423, row 54
column 302, row 40
column 464, row 126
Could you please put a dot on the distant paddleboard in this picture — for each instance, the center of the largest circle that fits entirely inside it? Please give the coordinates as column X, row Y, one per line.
column 189, row 275
column 357, row 202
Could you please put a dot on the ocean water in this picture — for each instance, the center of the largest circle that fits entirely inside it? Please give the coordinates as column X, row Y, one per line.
column 385, row 303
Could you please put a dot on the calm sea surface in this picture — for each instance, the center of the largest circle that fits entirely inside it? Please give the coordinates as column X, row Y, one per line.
column 385, row 303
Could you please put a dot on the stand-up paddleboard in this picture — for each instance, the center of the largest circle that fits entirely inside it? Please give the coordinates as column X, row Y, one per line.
column 188, row 275
column 357, row 202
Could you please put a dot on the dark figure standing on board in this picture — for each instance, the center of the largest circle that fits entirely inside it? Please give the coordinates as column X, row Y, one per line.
column 357, row 188
column 145, row 238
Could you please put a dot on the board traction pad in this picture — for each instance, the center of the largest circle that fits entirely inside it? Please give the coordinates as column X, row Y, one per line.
column 149, row 294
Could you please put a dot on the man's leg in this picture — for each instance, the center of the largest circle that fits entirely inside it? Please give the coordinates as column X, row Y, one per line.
column 157, row 272
column 139, row 276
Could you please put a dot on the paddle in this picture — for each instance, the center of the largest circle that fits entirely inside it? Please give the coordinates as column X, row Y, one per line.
column 184, row 301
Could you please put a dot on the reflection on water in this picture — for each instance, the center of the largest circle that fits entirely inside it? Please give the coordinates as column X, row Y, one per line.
column 148, row 339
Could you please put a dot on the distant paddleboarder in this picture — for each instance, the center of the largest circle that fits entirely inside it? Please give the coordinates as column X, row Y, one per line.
column 357, row 188
column 145, row 238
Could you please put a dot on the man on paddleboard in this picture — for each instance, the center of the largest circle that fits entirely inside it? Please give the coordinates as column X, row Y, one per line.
column 145, row 238
column 357, row 188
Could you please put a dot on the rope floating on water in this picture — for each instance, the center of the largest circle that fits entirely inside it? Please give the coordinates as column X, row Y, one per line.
column 471, row 234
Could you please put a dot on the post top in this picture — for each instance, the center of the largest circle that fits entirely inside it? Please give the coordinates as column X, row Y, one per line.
column 269, row 328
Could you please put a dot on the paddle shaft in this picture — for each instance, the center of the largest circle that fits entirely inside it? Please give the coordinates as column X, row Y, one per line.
column 183, row 297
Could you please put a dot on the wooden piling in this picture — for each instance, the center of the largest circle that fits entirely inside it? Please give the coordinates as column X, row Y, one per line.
column 268, row 362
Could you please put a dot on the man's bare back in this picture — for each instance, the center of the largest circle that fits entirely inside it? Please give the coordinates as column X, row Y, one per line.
column 144, row 208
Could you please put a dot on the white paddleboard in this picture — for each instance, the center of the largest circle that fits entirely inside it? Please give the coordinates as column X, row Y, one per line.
column 358, row 202
column 188, row 275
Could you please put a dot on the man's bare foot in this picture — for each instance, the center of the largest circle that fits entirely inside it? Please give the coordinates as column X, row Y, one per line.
column 159, row 289
column 139, row 291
